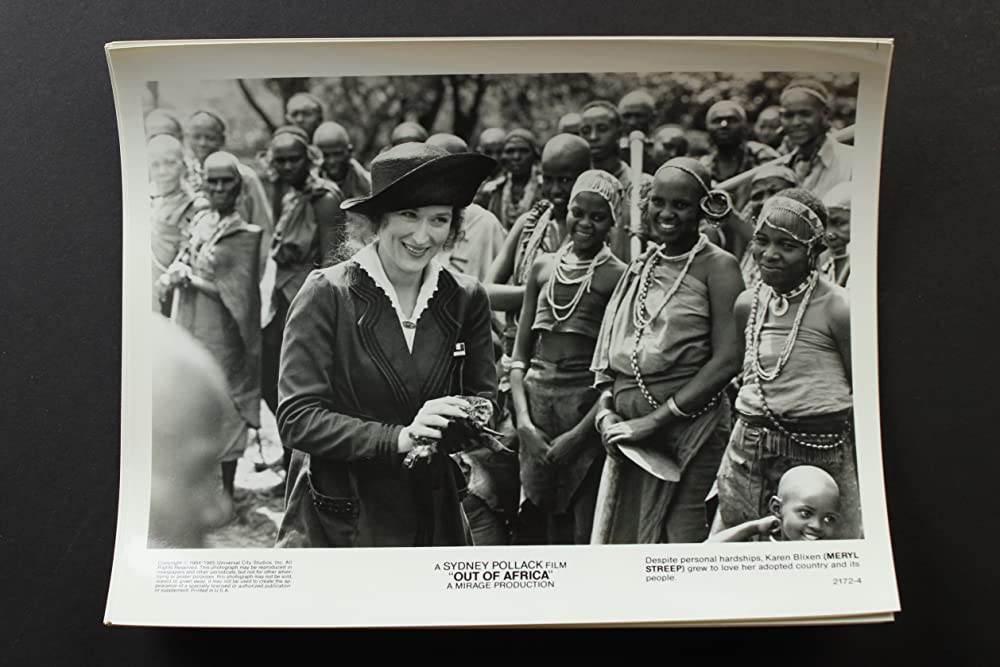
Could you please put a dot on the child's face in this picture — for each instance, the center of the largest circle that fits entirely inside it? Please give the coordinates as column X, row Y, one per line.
column 808, row 516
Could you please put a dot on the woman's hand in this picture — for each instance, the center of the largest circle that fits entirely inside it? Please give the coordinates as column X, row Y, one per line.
column 532, row 440
column 563, row 449
column 606, row 422
column 631, row 431
column 178, row 273
column 434, row 416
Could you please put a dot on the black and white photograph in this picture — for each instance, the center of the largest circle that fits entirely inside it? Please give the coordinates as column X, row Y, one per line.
column 503, row 309
column 580, row 319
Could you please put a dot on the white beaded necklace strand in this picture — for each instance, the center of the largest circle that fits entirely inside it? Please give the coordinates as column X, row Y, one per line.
column 640, row 321
column 755, row 325
column 562, row 266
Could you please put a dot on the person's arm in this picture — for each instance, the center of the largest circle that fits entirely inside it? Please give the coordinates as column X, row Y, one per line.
column 479, row 373
column 839, row 312
column 206, row 286
column 737, row 229
column 505, row 297
column 307, row 417
column 530, row 435
column 724, row 285
column 330, row 221
column 502, row 267
column 746, row 531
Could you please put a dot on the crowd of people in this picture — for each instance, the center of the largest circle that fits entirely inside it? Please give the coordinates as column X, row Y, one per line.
column 663, row 343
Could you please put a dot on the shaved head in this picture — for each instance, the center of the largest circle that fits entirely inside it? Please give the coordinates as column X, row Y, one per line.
column 450, row 142
column 492, row 135
column 639, row 98
column 331, row 133
column 335, row 144
column 802, row 480
column 567, row 149
column 564, row 158
column 407, row 132
column 807, row 503
column 160, row 121
column 305, row 111
column 164, row 144
column 669, row 141
column 636, row 110
column 725, row 107
column 570, row 123
column 491, row 145
column 223, row 161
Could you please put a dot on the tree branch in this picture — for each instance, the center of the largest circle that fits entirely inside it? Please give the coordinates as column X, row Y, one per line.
column 271, row 127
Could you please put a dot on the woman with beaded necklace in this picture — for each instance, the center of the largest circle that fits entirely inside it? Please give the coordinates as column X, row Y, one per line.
column 795, row 404
column 667, row 349
column 564, row 301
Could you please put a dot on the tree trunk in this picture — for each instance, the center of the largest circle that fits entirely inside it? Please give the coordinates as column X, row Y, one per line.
column 429, row 116
column 465, row 120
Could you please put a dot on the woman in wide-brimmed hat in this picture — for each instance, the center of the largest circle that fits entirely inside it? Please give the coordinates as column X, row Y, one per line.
column 377, row 350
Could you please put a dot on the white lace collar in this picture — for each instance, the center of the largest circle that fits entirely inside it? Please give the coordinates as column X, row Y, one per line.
column 367, row 258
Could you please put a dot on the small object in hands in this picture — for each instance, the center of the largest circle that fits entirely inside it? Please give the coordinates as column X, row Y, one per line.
column 462, row 434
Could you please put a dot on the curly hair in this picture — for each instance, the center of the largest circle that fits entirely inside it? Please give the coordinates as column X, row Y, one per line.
column 361, row 229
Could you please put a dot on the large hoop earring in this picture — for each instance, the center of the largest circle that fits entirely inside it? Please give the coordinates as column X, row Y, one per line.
column 716, row 205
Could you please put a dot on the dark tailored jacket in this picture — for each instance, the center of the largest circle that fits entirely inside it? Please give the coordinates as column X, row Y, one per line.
column 348, row 386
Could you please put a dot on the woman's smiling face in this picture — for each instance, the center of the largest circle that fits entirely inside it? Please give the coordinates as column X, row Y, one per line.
column 588, row 221
column 784, row 262
column 673, row 212
column 409, row 238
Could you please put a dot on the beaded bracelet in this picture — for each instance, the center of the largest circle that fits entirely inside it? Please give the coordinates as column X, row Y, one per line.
column 677, row 412
column 601, row 414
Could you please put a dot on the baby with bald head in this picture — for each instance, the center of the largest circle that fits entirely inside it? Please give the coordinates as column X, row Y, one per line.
column 806, row 507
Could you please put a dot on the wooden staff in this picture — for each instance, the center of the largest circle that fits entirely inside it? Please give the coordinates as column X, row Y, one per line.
column 607, row 494
column 844, row 136
column 636, row 143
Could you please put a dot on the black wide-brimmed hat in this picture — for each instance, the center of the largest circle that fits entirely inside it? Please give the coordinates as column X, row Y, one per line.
column 415, row 174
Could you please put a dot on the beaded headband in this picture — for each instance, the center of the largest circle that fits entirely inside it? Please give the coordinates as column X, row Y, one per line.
column 726, row 104
column 602, row 183
column 825, row 99
column 799, row 211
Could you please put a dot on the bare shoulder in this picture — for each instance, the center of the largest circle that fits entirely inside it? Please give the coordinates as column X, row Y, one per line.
column 743, row 303
column 838, row 304
column 720, row 263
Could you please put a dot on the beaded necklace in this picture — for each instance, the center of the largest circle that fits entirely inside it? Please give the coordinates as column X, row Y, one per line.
column 779, row 305
column 755, row 325
column 560, row 274
column 640, row 320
